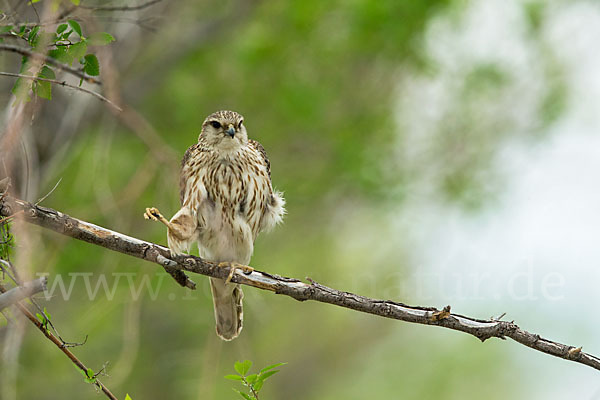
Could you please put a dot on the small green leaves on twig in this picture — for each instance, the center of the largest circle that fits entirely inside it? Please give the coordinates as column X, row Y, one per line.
column 90, row 376
column 254, row 382
column 91, row 65
column 65, row 45
column 76, row 27
column 44, row 318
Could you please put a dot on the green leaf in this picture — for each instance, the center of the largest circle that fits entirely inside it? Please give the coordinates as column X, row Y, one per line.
column 47, row 73
column 127, row 397
column 100, row 38
column 242, row 368
column 76, row 2
column 33, row 34
column 244, row 395
column 257, row 386
column 43, row 89
column 263, row 377
column 46, row 311
column 65, row 35
column 76, row 51
column 251, row 378
column 61, row 55
column 61, row 28
column 233, row 377
column 76, row 27
column 271, row 367
column 89, row 376
column 91, row 65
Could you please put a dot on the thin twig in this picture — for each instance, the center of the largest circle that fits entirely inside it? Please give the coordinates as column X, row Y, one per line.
column 251, row 388
column 37, row 203
column 61, row 346
column 121, row 8
column 42, row 311
column 49, row 60
column 9, row 217
column 482, row 329
column 149, row 24
column 64, row 83
column 34, row 24
column 21, row 292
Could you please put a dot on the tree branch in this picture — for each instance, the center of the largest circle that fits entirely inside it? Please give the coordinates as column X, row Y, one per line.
column 64, row 83
column 19, row 293
column 75, row 228
column 122, row 8
column 482, row 329
column 49, row 60
column 60, row 345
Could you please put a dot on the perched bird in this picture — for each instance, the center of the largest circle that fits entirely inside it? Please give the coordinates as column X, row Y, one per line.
column 226, row 200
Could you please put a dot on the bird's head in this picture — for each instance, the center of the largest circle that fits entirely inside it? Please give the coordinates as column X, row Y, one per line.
column 224, row 130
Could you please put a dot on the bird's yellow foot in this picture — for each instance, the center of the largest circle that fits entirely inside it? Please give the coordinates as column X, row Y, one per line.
column 233, row 266
column 153, row 214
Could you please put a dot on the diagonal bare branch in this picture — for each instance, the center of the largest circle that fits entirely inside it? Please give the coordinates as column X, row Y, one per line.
column 61, row 345
column 480, row 328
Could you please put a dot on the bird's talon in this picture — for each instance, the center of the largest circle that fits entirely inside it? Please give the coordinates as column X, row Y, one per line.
column 153, row 214
column 230, row 276
column 233, row 266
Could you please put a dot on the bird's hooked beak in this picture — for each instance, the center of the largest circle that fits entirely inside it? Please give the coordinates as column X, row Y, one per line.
column 230, row 131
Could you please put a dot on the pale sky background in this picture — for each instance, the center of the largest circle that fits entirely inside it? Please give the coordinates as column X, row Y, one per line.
column 535, row 254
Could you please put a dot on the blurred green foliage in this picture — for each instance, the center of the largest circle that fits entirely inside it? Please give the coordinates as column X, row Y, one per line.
column 317, row 83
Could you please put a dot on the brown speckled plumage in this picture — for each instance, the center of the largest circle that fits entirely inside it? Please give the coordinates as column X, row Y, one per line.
column 226, row 200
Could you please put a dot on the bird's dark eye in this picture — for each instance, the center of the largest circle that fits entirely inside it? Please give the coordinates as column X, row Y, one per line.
column 215, row 124
column 240, row 124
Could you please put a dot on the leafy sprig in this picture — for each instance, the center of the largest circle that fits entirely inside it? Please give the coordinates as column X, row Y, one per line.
column 254, row 382
column 67, row 45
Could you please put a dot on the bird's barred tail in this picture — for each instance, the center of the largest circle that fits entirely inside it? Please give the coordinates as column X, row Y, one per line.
column 227, row 300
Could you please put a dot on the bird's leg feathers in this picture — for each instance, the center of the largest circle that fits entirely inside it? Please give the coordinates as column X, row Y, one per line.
column 232, row 267
column 179, row 226
column 181, row 229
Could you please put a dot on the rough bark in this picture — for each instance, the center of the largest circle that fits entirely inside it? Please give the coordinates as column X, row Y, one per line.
column 175, row 265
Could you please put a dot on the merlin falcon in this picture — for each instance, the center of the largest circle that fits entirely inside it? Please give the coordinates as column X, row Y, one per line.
column 227, row 199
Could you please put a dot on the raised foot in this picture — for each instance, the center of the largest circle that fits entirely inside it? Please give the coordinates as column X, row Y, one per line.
column 233, row 266
column 153, row 214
